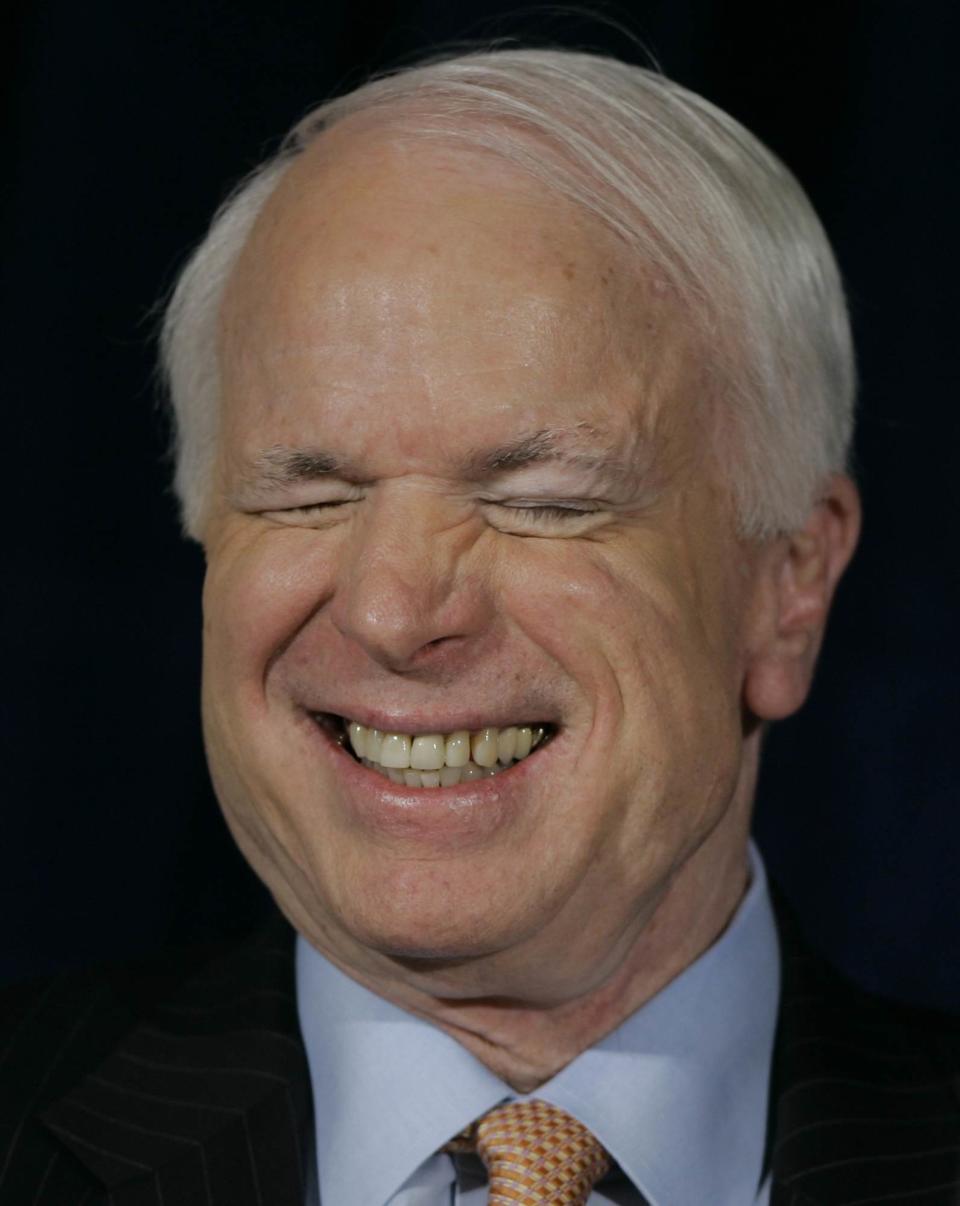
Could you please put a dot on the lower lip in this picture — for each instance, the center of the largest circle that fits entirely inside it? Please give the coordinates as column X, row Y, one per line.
column 462, row 815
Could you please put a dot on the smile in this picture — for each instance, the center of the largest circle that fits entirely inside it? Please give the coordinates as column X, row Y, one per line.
column 441, row 759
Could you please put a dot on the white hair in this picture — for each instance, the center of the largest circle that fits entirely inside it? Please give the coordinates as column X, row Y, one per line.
column 691, row 193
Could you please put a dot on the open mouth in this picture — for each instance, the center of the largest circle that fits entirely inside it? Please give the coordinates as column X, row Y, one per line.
column 437, row 759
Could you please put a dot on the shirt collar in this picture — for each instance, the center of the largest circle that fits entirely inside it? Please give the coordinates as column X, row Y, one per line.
column 678, row 1092
column 389, row 1088
column 687, row 1073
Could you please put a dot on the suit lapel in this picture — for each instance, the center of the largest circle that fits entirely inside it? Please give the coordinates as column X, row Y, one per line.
column 209, row 1101
column 863, row 1109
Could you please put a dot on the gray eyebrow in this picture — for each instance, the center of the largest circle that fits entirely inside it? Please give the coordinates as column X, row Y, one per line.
column 282, row 465
column 531, row 449
column 287, row 465
column 541, row 447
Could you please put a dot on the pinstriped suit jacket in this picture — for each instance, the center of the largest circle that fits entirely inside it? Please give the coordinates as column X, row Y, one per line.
column 187, row 1085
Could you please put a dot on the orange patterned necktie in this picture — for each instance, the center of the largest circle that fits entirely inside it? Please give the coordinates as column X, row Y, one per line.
column 536, row 1155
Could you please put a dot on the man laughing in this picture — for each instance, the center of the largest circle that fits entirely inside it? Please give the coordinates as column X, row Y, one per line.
column 513, row 401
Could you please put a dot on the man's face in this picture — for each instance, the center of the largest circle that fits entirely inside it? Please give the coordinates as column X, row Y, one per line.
column 465, row 483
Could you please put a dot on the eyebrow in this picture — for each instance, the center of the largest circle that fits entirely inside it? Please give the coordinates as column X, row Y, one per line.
column 281, row 465
column 549, row 445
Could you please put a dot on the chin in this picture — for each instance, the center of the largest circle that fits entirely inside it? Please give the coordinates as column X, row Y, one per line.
column 420, row 918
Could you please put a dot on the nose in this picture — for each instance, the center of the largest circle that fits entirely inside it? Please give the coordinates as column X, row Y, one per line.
column 406, row 592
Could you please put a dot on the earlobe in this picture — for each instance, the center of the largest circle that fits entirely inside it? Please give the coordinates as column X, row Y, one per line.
column 800, row 572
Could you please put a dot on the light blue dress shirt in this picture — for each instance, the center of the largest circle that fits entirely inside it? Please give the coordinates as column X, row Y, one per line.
column 677, row 1094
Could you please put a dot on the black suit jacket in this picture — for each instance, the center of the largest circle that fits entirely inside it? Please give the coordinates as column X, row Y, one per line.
column 187, row 1085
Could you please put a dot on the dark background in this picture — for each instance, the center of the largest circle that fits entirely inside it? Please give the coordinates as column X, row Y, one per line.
column 125, row 124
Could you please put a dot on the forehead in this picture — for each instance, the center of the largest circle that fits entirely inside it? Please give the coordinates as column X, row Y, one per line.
column 392, row 276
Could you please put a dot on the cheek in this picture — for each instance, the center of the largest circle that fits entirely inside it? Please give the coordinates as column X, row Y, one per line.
column 653, row 653
column 627, row 621
column 258, row 593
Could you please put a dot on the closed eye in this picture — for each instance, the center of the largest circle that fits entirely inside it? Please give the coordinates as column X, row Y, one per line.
column 306, row 513
column 546, row 518
column 548, row 511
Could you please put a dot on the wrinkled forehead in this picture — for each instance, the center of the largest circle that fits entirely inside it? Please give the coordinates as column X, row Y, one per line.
column 368, row 198
column 430, row 275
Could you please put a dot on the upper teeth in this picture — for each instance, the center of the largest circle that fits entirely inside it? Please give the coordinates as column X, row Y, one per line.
column 432, row 751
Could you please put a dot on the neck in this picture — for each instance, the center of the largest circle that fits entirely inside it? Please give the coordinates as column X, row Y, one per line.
column 529, row 1031
column 525, row 1042
column 527, row 1045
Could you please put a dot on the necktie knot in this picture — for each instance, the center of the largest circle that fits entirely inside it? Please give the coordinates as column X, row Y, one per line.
column 536, row 1155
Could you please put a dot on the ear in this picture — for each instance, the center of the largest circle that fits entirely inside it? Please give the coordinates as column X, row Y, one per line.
column 797, row 575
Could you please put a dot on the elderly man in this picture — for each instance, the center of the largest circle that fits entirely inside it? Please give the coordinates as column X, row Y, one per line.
column 513, row 402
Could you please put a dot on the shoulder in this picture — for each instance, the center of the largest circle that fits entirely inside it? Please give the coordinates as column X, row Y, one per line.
column 866, row 1090
column 821, row 1007
column 55, row 1034
column 51, row 1029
